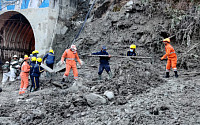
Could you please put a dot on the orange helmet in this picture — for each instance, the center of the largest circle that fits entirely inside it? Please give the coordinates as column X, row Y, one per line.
column 166, row 40
column 26, row 58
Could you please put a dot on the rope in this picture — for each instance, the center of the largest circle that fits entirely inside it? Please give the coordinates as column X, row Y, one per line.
column 77, row 35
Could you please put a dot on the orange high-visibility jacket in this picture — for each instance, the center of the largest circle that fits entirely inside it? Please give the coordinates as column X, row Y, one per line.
column 170, row 52
column 25, row 69
column 70, row 56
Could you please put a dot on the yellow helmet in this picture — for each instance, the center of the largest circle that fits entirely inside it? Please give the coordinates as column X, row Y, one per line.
column 33, row 59
column 36, row 51
column 25, row 55
column 51, row 51
column 133, row 46
column 33, row 52
column 39, row 59
column 166, row 40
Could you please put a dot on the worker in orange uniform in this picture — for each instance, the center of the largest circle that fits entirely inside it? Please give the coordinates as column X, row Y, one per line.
column 70, row 55
column 24, row 75
column 172, row 58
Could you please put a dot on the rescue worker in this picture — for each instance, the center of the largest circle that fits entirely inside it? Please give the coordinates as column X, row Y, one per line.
column 14, row 65
column 50, row 58
column 37, row 70
column 34, row 54
column 132, row 52
column 24, row 76
column 6, row 73
column 70, row 55
column 172, row 58
column 104, row 62
column 33, row 62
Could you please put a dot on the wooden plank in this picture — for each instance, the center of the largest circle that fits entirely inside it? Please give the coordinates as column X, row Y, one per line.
column 46, row 68
column 59, row 67
column 133, row 57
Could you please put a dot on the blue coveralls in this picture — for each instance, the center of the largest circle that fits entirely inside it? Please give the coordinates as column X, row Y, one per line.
column 50, row 57
column 32, row 65
column 104, row 62
column 37, row 70
column 129, row 53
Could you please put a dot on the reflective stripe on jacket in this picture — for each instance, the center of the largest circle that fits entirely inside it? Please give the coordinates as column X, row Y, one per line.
column 50, row 57
column 70, row 55
column 170, row 52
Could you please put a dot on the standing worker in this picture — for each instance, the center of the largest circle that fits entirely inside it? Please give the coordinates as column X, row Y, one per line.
column 104, row 62
column 70, row 55
column 6, row 72
column 132, row 52
column 32, row 65
column 14, row 65
column 34, row 54
column 37, row 70
column 172, row 58
column 24, row 75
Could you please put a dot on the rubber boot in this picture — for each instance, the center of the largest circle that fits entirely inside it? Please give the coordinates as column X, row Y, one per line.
column 63, row 80
column 167, row 75
column 99, row 77
column 176, row 74
column 110, row 75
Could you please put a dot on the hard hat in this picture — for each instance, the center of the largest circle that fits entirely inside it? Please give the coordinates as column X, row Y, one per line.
column 26, row 58
column 33, row 59
column 39, row 59
column 51, row 51
column 33, row 52
column 104, row 47
column 73, row 47
column 36, row 51
column 166, row 40
column 7, row 62
column 25, row 55
column 133, row 46
column 15, row 56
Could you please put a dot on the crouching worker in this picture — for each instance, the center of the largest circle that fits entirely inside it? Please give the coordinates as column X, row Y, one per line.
column 104, row 62
column 37, row 70
column 32, row 65
column 6, row 73
column 24, row 75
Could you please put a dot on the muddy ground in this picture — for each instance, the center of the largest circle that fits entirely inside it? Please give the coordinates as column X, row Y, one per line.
column 141, row 94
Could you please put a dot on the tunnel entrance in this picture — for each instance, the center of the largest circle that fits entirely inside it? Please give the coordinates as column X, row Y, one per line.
column 16, row 36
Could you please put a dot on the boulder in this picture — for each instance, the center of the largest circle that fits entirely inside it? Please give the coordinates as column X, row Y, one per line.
column 95, row 99
column 109, row 94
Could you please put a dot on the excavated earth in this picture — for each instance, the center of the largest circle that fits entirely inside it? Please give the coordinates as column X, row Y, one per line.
column 141, row 95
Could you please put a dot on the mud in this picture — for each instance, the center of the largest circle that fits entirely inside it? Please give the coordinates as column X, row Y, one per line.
column 141, row 95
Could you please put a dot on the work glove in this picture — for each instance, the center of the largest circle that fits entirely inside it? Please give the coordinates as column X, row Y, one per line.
column 161, row 58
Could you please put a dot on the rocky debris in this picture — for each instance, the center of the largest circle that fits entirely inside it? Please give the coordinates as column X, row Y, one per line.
column 95, row 99
column 109, row 94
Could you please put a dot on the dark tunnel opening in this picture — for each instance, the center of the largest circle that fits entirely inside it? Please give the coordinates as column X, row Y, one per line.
column 16, row 36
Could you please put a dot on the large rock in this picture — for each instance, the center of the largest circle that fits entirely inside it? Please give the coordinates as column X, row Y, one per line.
column 109, row 94
column 95, row 99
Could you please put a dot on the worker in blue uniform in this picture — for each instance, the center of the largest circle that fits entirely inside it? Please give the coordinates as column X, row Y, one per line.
column 32, row 65
column 104, row 62
column 37, row 70
column 50, row 58
column 132, row 52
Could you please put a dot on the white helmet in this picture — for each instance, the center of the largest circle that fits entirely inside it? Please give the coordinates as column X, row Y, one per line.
column 73, row 47
column 7, row 62
column 15, row 56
